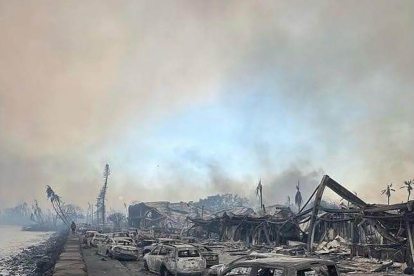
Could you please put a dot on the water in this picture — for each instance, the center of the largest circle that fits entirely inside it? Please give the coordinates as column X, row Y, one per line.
column 13, row 240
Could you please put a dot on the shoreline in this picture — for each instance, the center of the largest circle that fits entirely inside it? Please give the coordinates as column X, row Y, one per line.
column 36, row 260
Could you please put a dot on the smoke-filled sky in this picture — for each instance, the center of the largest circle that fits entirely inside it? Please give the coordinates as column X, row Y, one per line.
column 185, row 99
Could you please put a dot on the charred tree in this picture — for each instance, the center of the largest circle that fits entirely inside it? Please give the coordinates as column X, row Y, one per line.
column 56, row 204
column 298, row 197
column 100, row 202
column 259, row 193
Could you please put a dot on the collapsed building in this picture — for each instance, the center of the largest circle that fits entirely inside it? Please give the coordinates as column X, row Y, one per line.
column 367, row 230
column 373, row 230
column 163, row 216
column 273, row 228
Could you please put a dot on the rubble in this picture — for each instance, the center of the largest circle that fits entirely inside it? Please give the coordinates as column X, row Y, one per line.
column 360, row 237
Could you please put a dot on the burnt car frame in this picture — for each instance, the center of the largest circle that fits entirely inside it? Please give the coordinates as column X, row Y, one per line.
column 212, row 258
column 177, row 259
column 282, row 266
column 217, row 269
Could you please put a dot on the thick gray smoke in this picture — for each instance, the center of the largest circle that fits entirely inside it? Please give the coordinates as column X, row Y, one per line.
column 77, row 79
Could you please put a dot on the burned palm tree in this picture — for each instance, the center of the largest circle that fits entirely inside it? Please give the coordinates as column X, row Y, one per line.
column 56, row 204
column 409, row 187
column 387, row 191
column 37, row 215
column 259, row 193
column 100, row 201
column 298, row 197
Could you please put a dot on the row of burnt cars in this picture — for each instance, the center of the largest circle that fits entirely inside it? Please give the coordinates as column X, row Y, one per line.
column 167, row 256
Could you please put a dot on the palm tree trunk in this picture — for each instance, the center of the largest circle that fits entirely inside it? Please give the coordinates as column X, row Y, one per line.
column 57, row 213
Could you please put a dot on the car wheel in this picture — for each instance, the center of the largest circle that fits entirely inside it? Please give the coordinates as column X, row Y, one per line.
column 146, row 265
column 165, row 272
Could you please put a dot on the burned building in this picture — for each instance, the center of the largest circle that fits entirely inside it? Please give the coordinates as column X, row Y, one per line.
column 275, row 228
column 170, row 217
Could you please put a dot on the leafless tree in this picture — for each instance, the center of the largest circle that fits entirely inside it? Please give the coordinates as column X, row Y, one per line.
column 259, row 193
column 117, row 219
column 37, row 215
column 298, row 197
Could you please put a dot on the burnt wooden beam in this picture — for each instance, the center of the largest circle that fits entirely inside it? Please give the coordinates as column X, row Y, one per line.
column 340, row 211
column 382, row 230
column 349, row 196
column 344, row 193
column 410, row 238
column 315, row 211
column 383, row 208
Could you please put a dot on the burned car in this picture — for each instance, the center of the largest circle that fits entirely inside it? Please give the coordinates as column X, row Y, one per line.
column 119, row 235
column 98, row 238
column 212, row 258
column 176, row 259
column 145, row 242
column 158, row 241
column 282, row 266
column 120, row 248
column 88, row 236
column 217, row 269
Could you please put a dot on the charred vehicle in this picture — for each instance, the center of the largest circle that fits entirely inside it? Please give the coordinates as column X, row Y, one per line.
column 282, row 266
column 217, row 269
column 98, row 238
column 120, row 248
column 158, row 241
column 119, row 235
column 212, row 258
column 87, row 238
column 145, row 242
column 177, row 259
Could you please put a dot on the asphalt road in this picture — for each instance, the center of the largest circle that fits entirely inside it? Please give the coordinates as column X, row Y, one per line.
column 98, row 265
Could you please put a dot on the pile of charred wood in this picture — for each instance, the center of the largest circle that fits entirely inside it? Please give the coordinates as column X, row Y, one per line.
column 356, row 229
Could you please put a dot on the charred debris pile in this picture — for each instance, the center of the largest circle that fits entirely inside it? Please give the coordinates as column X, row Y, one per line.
column 381, row 233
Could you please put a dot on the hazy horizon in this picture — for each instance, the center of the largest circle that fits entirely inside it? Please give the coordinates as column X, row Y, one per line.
column 185, row 99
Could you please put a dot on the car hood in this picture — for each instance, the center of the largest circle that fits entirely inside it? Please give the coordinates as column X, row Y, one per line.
column 126, row 247
column 216, row 268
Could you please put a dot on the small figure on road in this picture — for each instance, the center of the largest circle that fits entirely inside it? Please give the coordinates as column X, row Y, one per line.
column 73, row 227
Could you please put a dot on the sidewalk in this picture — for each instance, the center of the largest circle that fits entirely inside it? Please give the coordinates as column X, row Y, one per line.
column 71, row 262
column 98, row 265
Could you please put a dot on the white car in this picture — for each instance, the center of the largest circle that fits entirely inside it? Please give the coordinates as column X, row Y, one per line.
column 175, row 259
column 120, row 248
